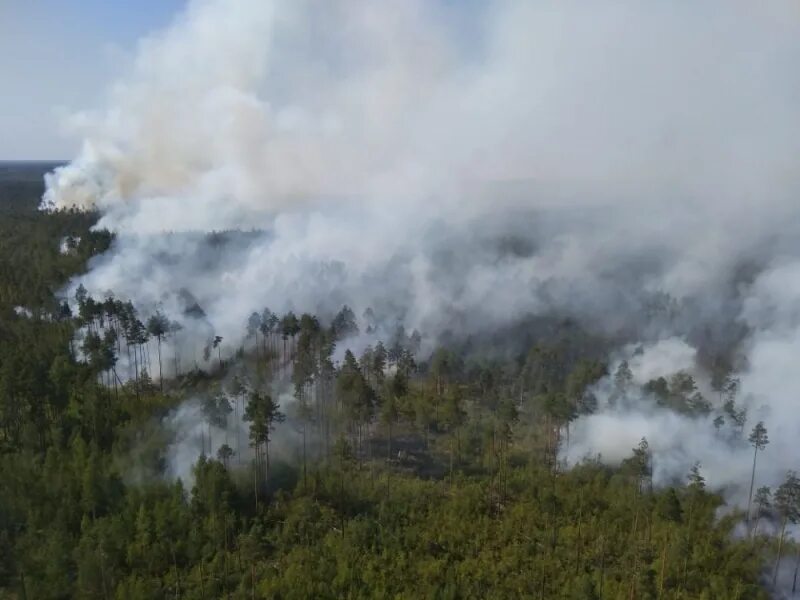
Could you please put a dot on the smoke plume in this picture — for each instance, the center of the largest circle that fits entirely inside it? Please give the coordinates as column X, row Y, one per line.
column 459, row 167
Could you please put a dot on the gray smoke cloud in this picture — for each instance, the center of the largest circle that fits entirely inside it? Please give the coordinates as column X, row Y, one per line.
column 193, row 435
column 462, row 167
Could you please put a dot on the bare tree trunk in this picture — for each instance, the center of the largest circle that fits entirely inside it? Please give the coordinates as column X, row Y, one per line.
column 160, row 374
column 116, row 379
column 796, row 567
column 752, row 482
column 202, row 585
column 255, row 477
column 389, row 456
column 266, row 456
column 780, row 549
column 663, row 569
column 147, row 354
column 136, row 371
column 238, row 436
column 177, row 575
column 451, row 461
column 304, row 457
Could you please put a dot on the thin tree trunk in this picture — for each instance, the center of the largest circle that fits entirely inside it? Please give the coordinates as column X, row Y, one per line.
column 752, row 482
column 754, row 532
column 266, row 456
column 147, row 355
column 177, row 575
column 389, row 456
column 602, row 564
column 114, row 379
column 780, row 549
column 796, row 566
column 136, row 372
column 238, row 436
column 128, row 350
column 451, row 462
column 102, row 570
column 579, row 557
column 225, row 559
column 663, row 569
column 202, row 584
column 255, row 478
column 160, row 374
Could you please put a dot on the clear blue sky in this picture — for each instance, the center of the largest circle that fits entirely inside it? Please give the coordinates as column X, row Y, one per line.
column 58, row 55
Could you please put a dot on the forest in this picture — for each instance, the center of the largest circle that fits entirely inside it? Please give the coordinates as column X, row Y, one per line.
column 320, row 472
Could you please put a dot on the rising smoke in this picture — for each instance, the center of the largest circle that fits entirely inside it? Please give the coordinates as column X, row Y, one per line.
column 463, row 166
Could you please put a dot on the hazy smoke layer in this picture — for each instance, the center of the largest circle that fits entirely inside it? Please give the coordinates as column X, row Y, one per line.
column 459, row 166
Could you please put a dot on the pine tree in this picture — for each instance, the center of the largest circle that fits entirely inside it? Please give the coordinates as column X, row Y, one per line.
column 759, row 440
column 787, row 504
column 158, row 326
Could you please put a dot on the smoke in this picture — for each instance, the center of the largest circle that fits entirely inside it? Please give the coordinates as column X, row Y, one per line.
column 677, row 440
column 192, row 433
column 459, row 168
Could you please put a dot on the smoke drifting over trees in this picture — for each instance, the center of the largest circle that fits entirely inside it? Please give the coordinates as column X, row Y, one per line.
column 627, row 165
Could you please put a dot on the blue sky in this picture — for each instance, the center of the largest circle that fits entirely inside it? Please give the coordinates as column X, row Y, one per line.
column 59, row 55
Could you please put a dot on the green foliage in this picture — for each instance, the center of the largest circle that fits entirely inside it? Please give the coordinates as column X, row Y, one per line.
column 424, row 480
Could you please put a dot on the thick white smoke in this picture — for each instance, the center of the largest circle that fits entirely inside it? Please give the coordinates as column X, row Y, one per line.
column 677, row 441
column 460, row 167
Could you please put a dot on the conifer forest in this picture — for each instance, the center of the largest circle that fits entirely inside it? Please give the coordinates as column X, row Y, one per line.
column 400, row 299
column 313, row 471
